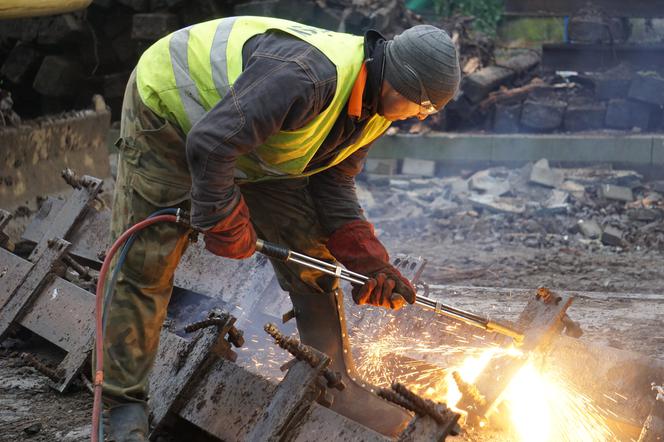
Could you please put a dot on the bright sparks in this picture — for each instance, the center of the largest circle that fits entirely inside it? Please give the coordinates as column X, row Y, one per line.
column 537, row 405
column 545, row 408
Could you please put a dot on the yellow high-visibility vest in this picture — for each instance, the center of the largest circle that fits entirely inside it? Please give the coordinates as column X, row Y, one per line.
column 188, row 72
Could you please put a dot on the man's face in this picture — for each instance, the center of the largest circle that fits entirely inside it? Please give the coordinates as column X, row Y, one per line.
column 394, row 106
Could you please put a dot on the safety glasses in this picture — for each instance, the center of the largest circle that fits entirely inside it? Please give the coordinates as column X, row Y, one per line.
column 426, row 106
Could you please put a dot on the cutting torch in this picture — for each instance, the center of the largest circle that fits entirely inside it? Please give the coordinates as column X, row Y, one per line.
column 283, row 254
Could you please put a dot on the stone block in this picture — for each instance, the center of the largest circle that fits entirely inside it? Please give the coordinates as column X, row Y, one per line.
column 21, row 63
column 555, row 204
column 628, row 114
column 522, row 62
column 413, row 166
column 381, row 166
column 612, row 236
column 477, row 86
column 543, row 116
column 58, row 77
column 613, row 83
column 644, row 214
column 616, row 193
column 152, row 27
column 543, row 175
column 589, row 228
column 647, row 87
column 584, row 117
column 506, row 118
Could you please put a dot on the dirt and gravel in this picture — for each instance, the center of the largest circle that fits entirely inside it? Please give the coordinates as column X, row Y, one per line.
column 469, row 244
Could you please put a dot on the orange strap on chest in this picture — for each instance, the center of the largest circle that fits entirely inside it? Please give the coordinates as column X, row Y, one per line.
column 355, row 100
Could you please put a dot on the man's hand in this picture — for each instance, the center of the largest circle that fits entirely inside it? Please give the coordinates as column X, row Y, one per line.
column 355, row 245
column 234, row 236
column 385, row 288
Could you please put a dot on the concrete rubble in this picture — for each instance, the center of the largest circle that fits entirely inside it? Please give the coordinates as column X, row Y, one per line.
column 587, row 207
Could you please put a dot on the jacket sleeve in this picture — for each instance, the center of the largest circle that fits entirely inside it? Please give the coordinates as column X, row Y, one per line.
column 271, row 94
column 334, row 193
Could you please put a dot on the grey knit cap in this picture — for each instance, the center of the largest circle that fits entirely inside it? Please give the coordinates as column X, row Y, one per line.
column 431, row 54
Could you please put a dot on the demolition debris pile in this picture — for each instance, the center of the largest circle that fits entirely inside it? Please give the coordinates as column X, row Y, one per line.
column 537, row 205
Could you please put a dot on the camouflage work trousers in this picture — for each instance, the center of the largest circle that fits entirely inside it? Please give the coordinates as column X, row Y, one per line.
column 152, row 175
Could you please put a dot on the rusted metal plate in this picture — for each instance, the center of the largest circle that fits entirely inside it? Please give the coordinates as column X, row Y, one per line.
column 13, row 270
column 36, row 277
column 321, row 423
column 292, row 399
column 41, row 220
column 61, row 224
column 228, row 401
column 176, row 380
column 62, row 314
column 91, row 236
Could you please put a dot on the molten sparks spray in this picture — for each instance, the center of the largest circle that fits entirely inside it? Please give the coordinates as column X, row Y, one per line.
column 544, row 407
column 537, row 406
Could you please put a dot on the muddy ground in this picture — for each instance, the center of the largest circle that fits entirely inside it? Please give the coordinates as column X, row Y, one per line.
column 621, row 306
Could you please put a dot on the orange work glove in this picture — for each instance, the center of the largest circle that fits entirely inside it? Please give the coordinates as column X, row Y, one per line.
column 234, row 236
column 355, row 246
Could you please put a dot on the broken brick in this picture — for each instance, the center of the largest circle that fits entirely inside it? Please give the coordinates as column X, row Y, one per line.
column 543, row 175
column 476, row 86
column 589, row 228
column 612, row 236
column 617, row 193
column 482, row 181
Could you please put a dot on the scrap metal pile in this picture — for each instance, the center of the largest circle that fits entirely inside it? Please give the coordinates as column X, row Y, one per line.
column 221, row 372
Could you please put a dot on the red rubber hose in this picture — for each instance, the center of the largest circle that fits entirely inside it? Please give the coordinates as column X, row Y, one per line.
column 99, row 337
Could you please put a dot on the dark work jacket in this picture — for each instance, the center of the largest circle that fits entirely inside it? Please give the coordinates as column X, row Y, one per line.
column 284, row 84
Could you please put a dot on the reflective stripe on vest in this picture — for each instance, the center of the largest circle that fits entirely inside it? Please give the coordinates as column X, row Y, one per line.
column 187, row 72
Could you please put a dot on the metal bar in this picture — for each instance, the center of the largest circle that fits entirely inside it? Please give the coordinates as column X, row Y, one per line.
column 438, row 307
column 329, row 265
column 22, row 299
column 69, row 214
column 327, row 271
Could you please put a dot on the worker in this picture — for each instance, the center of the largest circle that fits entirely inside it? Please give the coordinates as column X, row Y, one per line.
column 257, row 127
